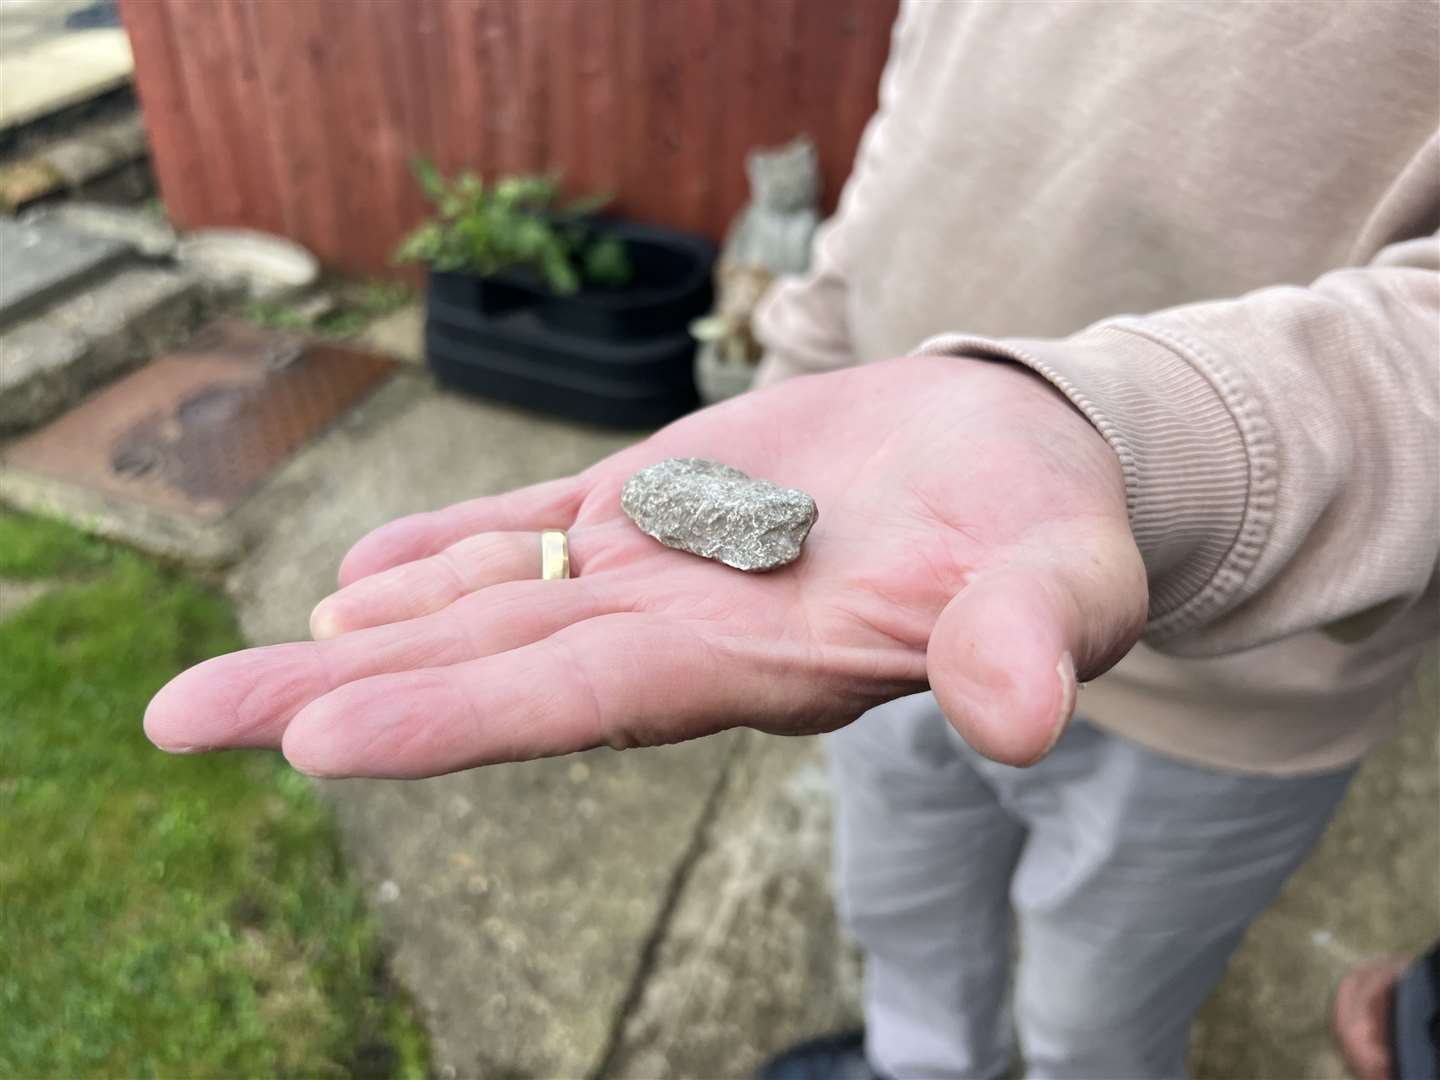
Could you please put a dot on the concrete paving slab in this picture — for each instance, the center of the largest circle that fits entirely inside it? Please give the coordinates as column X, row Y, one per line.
column 25, row 23
column 400, row 334
column 518, row 900
column 752, row 960
column 43, row 262
column 144, row 230
column 46, row 72
column 56, row 356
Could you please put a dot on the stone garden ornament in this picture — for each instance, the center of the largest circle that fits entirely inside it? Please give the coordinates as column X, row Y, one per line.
column 770, row 238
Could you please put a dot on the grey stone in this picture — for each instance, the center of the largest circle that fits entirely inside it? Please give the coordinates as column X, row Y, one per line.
column 53, row 358
column 147, row 233
column 718, row 512
column 42, row 262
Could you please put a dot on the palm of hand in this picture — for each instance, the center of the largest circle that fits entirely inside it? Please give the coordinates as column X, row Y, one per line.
column 972, row 536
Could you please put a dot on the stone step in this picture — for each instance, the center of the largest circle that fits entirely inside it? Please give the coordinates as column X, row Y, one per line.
column 56, row 356
column 52, row 64
column 44, row 262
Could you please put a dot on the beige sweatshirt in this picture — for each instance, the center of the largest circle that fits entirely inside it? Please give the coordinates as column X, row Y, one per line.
column 1274, row 168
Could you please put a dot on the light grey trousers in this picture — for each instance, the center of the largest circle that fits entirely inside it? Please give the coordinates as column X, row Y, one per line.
column 1129, row 876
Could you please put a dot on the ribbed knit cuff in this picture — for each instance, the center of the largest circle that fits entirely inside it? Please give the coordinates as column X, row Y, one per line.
column 1197, row 457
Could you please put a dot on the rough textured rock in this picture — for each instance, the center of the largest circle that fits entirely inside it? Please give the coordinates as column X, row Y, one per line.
column 719, row 512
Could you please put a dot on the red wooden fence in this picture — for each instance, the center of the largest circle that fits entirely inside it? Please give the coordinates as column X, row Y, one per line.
column 300, row 116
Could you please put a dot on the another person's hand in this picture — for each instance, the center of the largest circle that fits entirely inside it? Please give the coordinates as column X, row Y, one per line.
column 972, row 536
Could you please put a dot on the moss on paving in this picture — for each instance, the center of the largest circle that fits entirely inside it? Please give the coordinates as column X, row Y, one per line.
column 161, row 915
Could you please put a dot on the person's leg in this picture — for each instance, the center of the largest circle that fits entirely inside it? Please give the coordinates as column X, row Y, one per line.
column 1139, row 879
column 924, row 855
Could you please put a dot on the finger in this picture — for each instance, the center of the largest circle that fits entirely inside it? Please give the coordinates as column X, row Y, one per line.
column 552, row 505
column 1006, row 654
column 247, row 699
column 417, row 588
column 426, row 585
column 619, row 680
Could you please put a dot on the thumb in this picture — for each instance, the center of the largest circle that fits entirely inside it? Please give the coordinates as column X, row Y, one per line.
column 1006, row 654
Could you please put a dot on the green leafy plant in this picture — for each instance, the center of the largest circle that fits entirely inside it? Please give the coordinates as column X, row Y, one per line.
column 513, row 223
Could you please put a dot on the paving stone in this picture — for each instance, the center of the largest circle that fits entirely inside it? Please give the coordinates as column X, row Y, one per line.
column 198, row 544
column 44, row 262
column 49, row 71
column 400, row 334
column 56, row 356
column 752, row 960
column 518, row 900
column 147, row 233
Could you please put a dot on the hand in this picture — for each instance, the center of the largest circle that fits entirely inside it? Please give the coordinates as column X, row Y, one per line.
column 972, row 536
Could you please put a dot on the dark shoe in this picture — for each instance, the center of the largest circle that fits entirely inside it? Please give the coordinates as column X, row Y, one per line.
column 830, row 1057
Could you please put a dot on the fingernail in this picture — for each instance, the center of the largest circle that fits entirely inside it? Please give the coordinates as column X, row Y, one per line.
column 323, row 622
column 177, row 749
column 1068, row 689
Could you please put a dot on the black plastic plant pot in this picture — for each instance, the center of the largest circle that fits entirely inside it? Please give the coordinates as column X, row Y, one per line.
column 497, row 295
column 671, row 285
column 635, row 384
column 617, row 357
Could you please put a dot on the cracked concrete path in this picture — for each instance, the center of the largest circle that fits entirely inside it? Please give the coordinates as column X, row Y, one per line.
column 666, row 913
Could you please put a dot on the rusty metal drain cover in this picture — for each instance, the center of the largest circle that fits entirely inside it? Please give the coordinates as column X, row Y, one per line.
column 197, row 430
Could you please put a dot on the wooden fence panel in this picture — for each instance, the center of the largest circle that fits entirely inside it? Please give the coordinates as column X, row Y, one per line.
column 301, row 116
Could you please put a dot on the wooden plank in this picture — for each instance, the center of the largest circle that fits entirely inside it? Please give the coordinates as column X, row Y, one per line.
column 208, row 66
column 175, row 153
column 301, row 117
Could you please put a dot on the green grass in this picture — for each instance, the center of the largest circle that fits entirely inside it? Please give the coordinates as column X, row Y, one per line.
column 357, row 305
column 162, row 916
column 34, row 548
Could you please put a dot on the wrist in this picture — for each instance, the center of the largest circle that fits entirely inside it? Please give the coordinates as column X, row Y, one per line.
column 1193, row 497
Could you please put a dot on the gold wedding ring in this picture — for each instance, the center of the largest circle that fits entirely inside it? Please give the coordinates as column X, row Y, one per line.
column 554, row 555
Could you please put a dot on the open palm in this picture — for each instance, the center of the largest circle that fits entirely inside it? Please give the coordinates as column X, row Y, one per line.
column 972, row 537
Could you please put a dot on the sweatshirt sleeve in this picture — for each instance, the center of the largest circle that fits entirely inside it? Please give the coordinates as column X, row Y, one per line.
column 1280, row 450
column 802, row 321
